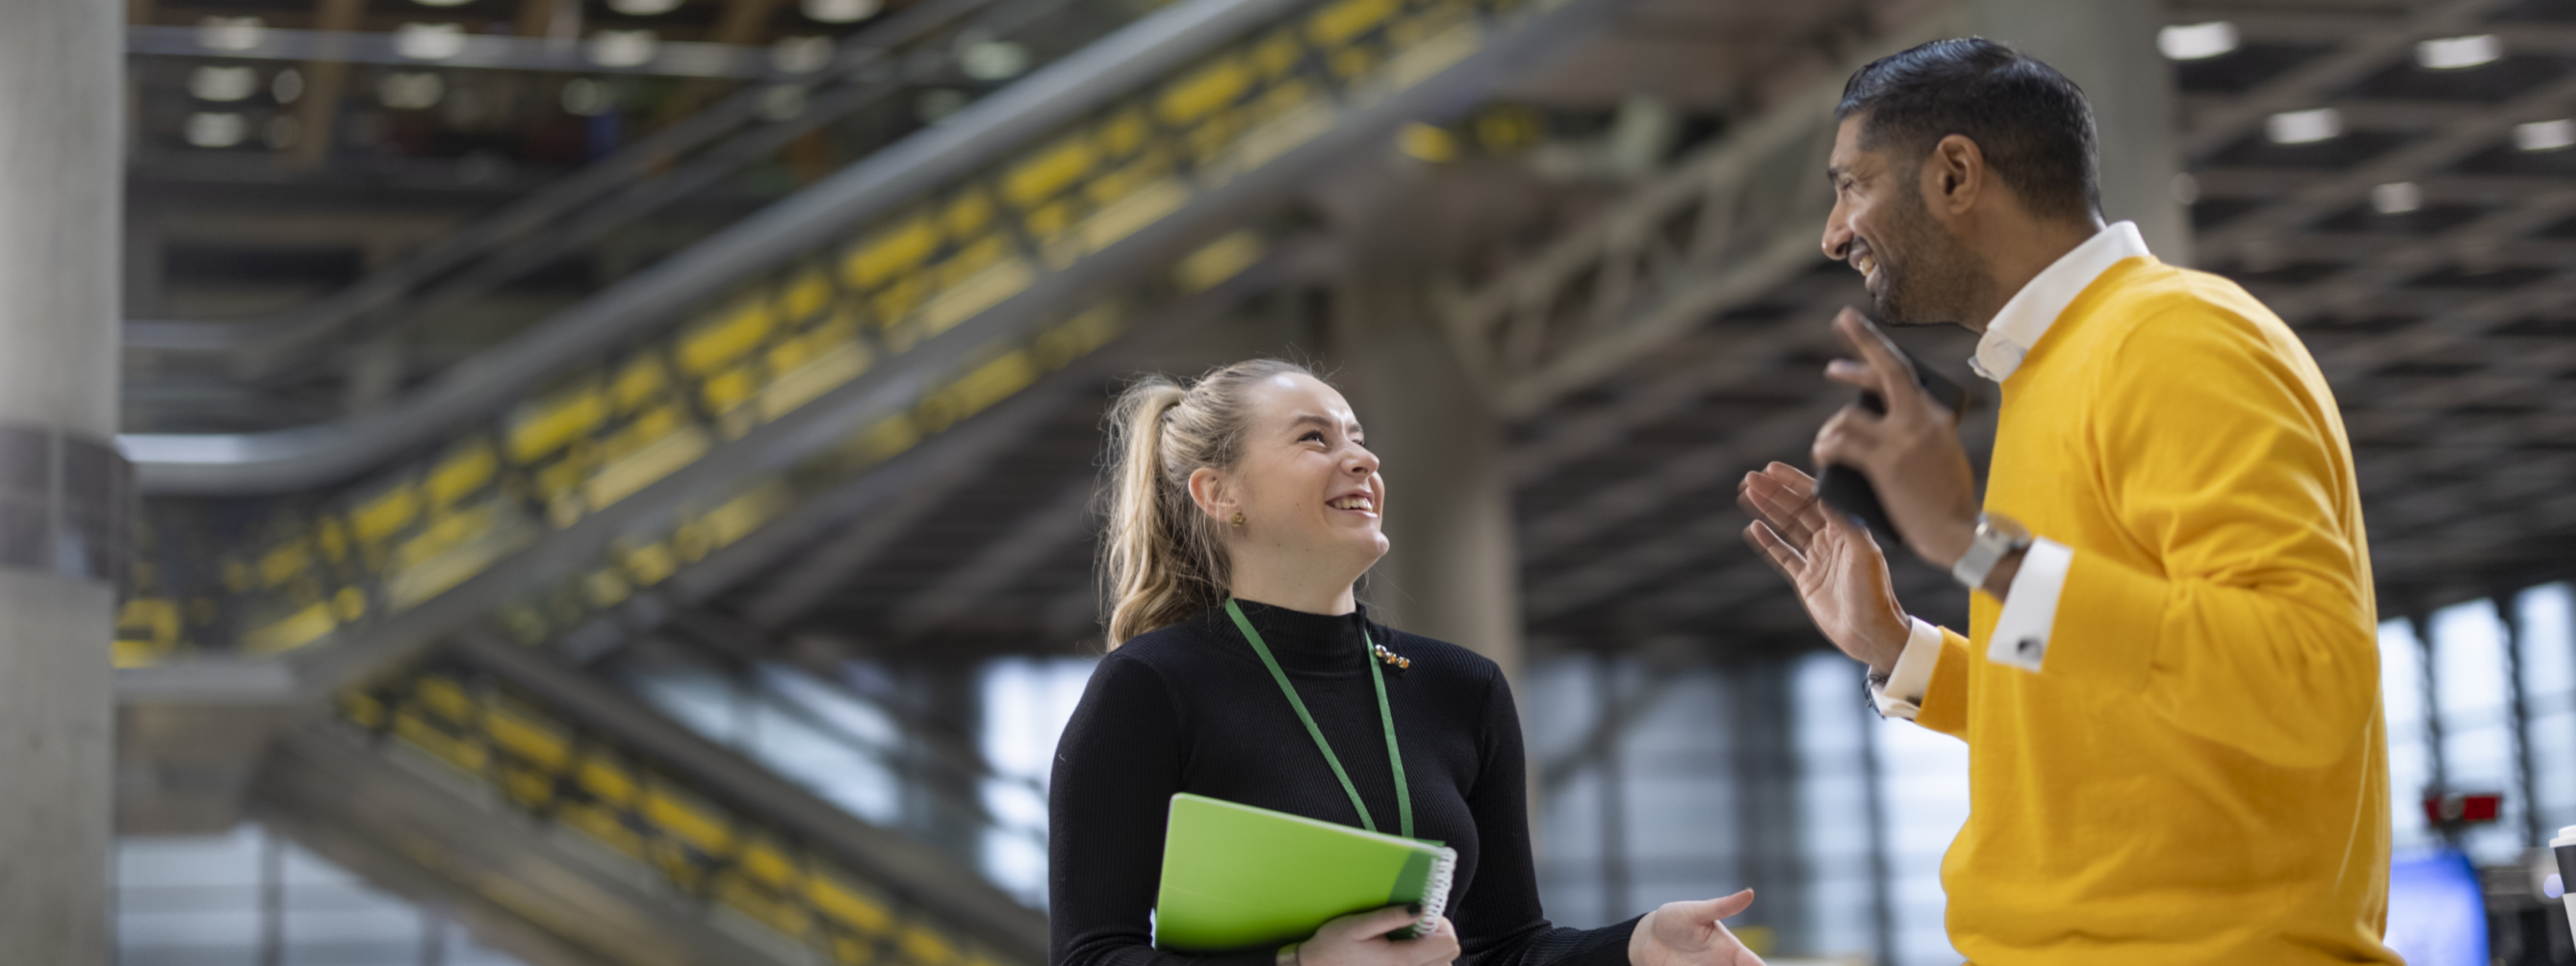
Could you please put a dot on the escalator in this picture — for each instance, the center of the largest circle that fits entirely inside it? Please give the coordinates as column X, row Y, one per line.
column 813, row 107
column 568, row 822
column 780, row 364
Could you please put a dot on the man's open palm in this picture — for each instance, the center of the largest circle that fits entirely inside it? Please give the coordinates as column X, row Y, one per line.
column 1689, row 934
column 1839, row 572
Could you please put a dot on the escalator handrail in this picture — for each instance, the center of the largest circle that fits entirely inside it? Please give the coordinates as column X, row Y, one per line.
column 303, row 457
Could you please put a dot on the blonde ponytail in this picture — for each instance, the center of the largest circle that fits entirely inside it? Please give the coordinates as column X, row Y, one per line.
column 1160, row 558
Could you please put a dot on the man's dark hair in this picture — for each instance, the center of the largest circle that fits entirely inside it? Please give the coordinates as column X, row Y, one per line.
column 2033, row 125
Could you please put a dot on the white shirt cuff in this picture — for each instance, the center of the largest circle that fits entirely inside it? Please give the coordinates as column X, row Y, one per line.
column 1911, row 679
column 2030, row 609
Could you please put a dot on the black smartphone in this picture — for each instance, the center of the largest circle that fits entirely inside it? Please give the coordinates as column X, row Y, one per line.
column 1848, row 490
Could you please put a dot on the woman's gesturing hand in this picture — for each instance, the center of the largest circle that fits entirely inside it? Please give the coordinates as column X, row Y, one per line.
column 1689, row 934
column 1359, row 939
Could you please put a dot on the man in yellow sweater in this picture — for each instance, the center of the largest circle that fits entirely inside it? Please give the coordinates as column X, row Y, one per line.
column 2170, row 687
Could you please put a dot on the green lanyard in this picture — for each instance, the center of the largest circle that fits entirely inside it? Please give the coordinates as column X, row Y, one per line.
column 1385, row 715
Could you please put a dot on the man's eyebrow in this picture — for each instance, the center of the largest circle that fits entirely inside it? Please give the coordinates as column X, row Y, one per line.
column 1835, row 172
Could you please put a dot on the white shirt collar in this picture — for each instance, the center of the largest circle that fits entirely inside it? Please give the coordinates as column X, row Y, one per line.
column 2036, row 307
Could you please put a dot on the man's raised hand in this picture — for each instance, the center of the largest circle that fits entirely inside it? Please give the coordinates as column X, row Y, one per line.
column 1839, row 572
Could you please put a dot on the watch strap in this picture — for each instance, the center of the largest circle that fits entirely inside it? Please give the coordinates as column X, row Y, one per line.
column 1985, row 550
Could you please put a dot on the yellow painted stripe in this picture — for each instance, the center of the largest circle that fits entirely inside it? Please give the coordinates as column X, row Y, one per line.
column 1124, row 132
column 741, row 515
column 1347, row 19
column 650, row 564
column 967, row 214
column 639, row 383
column 927, row 948
column 880, row 258
column 767, row 865
column 642, row 468
column 711, row 345
column 850, row 906
column 1053, row 167
column 1277, row 54
column 555, row 423
column 1444, row 50
column 285, row 563
column 461, row 475
column 1287, row 127
column 295, row 630
column 883, row 441
column 807, row 295
column 1202, row 93
column 154, row 620
column 975, row 294
column 385, row 515
column 728, row 389
column 528, row 738
column 687, row 821
column 1220, row 260
column 443, row 695
column 1141, row 207
column 432, row 575
column 641, row 432
column 817, row 376
column 990, row 383
column 607, row 781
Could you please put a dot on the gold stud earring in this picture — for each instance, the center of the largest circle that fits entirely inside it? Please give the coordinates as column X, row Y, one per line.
column 1238, row 519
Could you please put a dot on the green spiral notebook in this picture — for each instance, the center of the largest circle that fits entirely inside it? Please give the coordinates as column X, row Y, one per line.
column 1237, row 877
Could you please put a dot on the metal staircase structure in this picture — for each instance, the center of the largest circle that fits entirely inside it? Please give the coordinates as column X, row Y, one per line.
column 684, row 180
column 683, row 410
column 572, row 824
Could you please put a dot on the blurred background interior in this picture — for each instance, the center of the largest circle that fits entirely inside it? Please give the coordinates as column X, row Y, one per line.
column 616, row 473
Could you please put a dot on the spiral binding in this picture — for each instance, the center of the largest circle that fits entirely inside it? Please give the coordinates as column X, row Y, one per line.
column 1435, row 894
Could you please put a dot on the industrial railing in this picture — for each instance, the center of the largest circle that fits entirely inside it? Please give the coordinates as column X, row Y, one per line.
column 577, row 758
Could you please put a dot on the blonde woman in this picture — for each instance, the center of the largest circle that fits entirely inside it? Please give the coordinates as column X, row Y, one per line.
column 1244, row 506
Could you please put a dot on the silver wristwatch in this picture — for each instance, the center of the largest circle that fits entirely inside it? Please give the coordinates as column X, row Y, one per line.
column 1997, row 536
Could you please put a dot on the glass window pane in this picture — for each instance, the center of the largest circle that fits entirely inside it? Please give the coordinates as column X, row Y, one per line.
column 1924, row 780
column 2474, row 699
column 2548, row 616
column 2410, row 757
column 201, row 900
column 1026, row 702
column 1833, row 796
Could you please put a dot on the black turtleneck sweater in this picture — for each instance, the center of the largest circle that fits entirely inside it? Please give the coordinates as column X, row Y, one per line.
column 1189, row 708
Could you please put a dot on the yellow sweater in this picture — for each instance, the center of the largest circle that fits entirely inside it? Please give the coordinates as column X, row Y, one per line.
column 2199, row 771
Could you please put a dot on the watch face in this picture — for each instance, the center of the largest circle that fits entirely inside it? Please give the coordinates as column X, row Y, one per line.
column 2008, row 527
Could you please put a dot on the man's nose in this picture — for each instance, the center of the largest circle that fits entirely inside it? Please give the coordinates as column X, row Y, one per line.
column 1838, row 235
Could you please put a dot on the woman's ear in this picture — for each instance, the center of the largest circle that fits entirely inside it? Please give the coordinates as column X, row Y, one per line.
column 1213, row 492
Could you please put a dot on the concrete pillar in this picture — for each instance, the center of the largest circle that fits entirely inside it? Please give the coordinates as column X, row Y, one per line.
column 61, row 489
column 2109, row 47
column 1454, row 570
